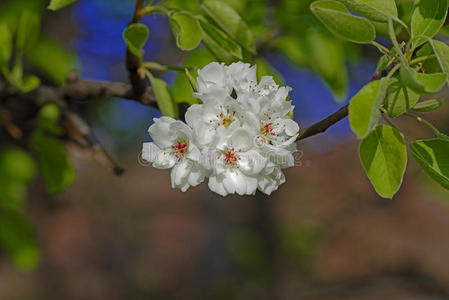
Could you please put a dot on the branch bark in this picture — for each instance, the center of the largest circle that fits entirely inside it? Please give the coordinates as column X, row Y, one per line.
column 79, row 90
column 323, row 125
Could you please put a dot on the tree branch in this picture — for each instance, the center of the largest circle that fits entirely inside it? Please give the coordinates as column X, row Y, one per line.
column 79, row 90
column 323, row 125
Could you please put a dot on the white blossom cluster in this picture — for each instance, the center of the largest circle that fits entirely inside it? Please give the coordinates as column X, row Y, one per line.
column 240, row 137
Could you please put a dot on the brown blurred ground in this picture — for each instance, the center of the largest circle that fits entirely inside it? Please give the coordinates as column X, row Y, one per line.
column 324, row 235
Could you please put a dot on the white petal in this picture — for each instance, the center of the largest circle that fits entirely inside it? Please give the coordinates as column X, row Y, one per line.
column 216, row 185
column 211, row 75
column 242, row 139
column 150, row 151
column 160, row 132
column 180, row 173
column 193, row 115
column 164, row 160
column 252, row 162
column 235, row 182
column 291, row 127
column 197, row 175
column 270, row 183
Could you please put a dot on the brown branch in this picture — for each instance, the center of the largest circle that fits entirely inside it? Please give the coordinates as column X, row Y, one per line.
column 133, row 62
column 323, row 125
column 79, row 90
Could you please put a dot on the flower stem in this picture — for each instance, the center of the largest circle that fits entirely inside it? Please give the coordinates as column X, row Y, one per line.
column 422, row 58
column 421, row 120
column 381, row 47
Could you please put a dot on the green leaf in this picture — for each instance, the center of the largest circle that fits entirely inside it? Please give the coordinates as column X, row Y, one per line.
column 376, row 10
column 230, row 22
column 328, row 60
column 400, row 98
column 54, row 161
column 433, row 157
column 340, row 22
column 264, row 68
column 364, row 107
column 29, row 83
column 433, row 83
column 182, row 89
column 52, row 60
column 192, row 6
column 423, row 84
column 384, row 157
column 295, row 48
column 58, row 4
column 18, row 240
column 135, row 37
column 187, row 30
column 427, row 19
column 220, row 44
column 27, row 31
column 163, row 96
column 441, row 51
column 428, row 105
column 430, row 65
column 17, row 168
column 55, row 164
column 48, row 119
column 17, row 165
column 5, row 45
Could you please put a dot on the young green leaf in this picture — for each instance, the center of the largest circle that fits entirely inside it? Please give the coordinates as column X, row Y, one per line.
column 423, row 84
column 400, row 98
column 17, row 168
column 364, row 107
column 430, row 64
column 376, row 10
column 5, row 45
column 220, row 44
column 18, row 240
column 52, row 60
column 182, row 87
column 135, row 37
column 340, row 22
column 57, row 168
column 27, row 31
column 28, row 84
column 433, row 158
column 428, row 105
column 17, row 165
column 384, row 157
column 55, row 164
column 230, row 22
column 187, row 30
column 327, row 58
column 163, row 96
column 441, row 51
column 427, row 19
column 58, row 4
column 433, row 83
column 264, row 68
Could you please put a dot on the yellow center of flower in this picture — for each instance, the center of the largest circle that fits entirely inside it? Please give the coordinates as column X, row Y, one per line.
column 226, row 119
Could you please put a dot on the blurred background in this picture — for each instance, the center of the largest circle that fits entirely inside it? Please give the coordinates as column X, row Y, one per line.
column 324, row 235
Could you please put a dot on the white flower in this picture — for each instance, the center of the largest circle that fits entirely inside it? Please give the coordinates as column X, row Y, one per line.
column 215, row 120
column 237, row 165
column 212, row 83
column 173, row 147
column 240, row 137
